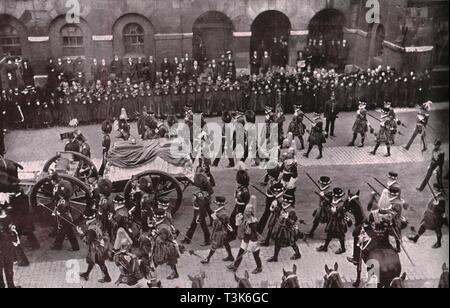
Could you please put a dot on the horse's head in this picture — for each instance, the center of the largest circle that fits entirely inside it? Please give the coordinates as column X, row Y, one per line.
column 398, row 282
column 198, row 282
column 290, row 279
column 9, row 175
column 332, row 279
column 443, row 282
column 243, row 283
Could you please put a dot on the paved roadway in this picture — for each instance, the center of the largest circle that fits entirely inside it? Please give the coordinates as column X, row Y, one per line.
column 350, row 168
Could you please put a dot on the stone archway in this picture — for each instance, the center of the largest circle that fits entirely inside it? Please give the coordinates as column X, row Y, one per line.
column 134, row 36
column 213, row 35
column 267, row 26
column 328, row 24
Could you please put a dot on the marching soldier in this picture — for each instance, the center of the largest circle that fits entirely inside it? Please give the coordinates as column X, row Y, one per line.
column 316, row 137
column 322, row 214
column 105, row 206
column 337, row 225
column 275, row 190
column 384, row 134
column 9, row 240
column 98, row 246
column 64, row 218
column 389, row 214
column 433, row 218
column 297, row 127
column 128, row 264
column 242, row 197
column 201, row 203
column 361, row 125
column 166, row 249
column 286, row 230
column 421, row 126
column 436, row 165
column 247, row 224
column 220, row 236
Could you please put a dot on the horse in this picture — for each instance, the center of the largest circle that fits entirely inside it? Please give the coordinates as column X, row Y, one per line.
column 385, row 257
column 443, row 281
column 332, row 279
column 198, row 282
column 243, row 283
column 290, row 279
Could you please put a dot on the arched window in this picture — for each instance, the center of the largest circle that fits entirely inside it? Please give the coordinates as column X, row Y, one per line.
column 72, row 41
column 133, row 38
column 10, row 41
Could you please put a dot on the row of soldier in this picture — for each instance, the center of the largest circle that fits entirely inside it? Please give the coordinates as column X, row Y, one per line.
column 36, row 107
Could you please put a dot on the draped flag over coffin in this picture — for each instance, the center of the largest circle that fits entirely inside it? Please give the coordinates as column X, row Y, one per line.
column 128, row 158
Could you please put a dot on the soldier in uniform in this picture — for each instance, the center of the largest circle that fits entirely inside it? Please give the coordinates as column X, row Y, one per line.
column 337, row 224
column 98, row 246
column 421, row 126
column 128, row 264
column 105, row 206
column 247, row 223
column 437, row 164
column 220, row 236
column 297, row 127
column 275, row 191
column 9, row 239
column 286, row 230
column 361, row 125
column 316, row 137
column 384, row 134
column 201, row 204
column 64, row 218
column 433, row 218
column 242, row 197
column 322, row 214
column 166, row 249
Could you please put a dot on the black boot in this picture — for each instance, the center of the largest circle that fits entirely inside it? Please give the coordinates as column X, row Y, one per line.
column 320, row 153
column 258, row 263
column 174, row 274
column 342, row 249
column 208, row 258
column 297, row 255
column 363, row 140
column 85, row 276
column 275, row 254
column 313, row 229
column 234, row 267
column 324, row 248
column 388, row 154
column 374, row 152
column 230, row 257
column 106, row 278
column 438, row 243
